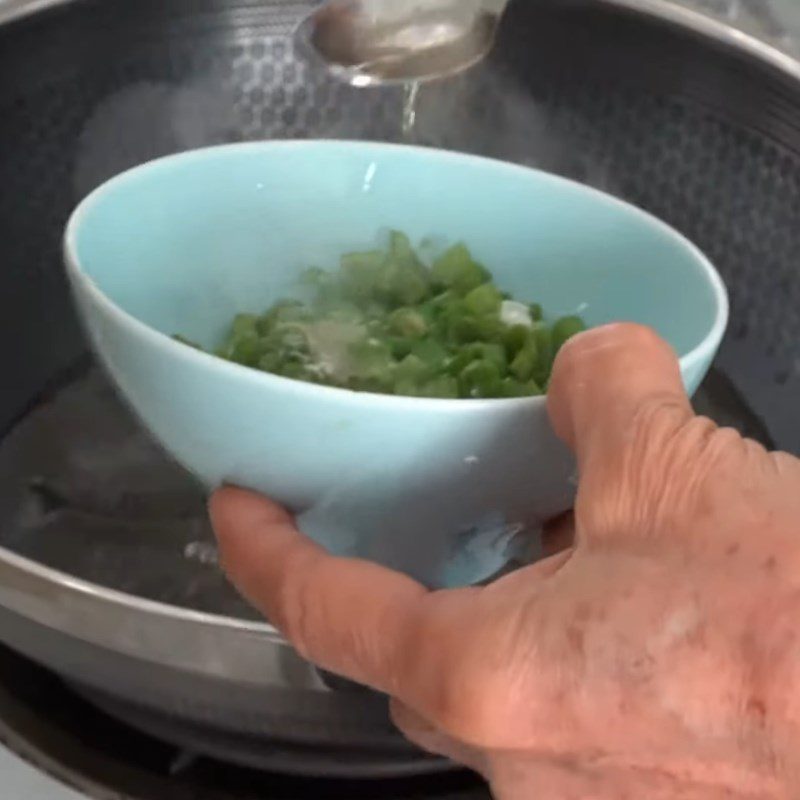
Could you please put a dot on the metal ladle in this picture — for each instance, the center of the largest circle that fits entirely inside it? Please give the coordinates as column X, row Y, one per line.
column 371, row 42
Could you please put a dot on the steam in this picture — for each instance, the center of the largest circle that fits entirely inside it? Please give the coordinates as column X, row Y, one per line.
column 146, row 121
column 487, row 112
column 484, row 111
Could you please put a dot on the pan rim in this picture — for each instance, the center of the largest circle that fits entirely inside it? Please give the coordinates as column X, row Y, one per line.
column 666, row 10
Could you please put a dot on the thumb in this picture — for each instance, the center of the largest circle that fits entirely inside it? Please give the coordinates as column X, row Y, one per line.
column 617, row 399
column 605, row 379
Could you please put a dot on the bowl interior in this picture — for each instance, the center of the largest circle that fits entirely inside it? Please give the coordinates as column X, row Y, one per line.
column 184, row 243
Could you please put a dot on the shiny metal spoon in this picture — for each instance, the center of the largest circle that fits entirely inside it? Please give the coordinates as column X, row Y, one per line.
column 371, row 42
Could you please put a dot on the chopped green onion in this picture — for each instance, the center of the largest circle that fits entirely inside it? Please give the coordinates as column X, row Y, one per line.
column 385, row 322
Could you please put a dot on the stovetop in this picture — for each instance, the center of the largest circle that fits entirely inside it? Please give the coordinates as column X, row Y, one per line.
column 54, row 746
column 78, row 752
column 21, row 781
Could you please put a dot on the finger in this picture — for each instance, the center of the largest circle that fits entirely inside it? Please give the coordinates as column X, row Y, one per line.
column 380, row 628
column 350, row 617
column 608, row 381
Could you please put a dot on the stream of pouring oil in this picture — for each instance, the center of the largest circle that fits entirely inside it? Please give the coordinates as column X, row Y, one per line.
column 410, row 94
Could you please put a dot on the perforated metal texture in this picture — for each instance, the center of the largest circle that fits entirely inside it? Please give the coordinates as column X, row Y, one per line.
column 94, row 87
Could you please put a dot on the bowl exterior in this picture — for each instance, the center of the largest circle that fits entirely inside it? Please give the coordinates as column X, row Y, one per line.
column 446, row 497
column 447, row 491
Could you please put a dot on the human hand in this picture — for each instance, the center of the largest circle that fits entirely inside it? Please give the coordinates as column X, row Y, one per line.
column 656, row 656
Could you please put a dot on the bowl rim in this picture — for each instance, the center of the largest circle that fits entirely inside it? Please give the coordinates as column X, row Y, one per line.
column 704, row 350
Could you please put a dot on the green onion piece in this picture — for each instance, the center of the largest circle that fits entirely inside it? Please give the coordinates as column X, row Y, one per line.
column 444, row 387
column 244, row 325
column 270, row 362
column 490, row 352
column 430, row 351
column 480, row 379
column 511, row 387
column 515, row 338
column 370, row 359
column 401, row 251
column 283, row 312
column 362, row 274
column 485, row 299
column 524, row 365
column 455, row 269
column 463, row 328
column 564, row 329
column 246, row 349
column 414, row 369
column 400, row 346
column 408, row 322
column 490, row 328
column 405, row 286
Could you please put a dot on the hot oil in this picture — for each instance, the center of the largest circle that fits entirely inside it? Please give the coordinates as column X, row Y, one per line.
column 410, row 97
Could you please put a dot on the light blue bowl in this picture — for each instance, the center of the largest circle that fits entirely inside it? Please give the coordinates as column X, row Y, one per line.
column 447, row 491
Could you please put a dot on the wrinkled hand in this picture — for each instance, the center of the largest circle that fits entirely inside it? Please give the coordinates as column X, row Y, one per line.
column 655, row 657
